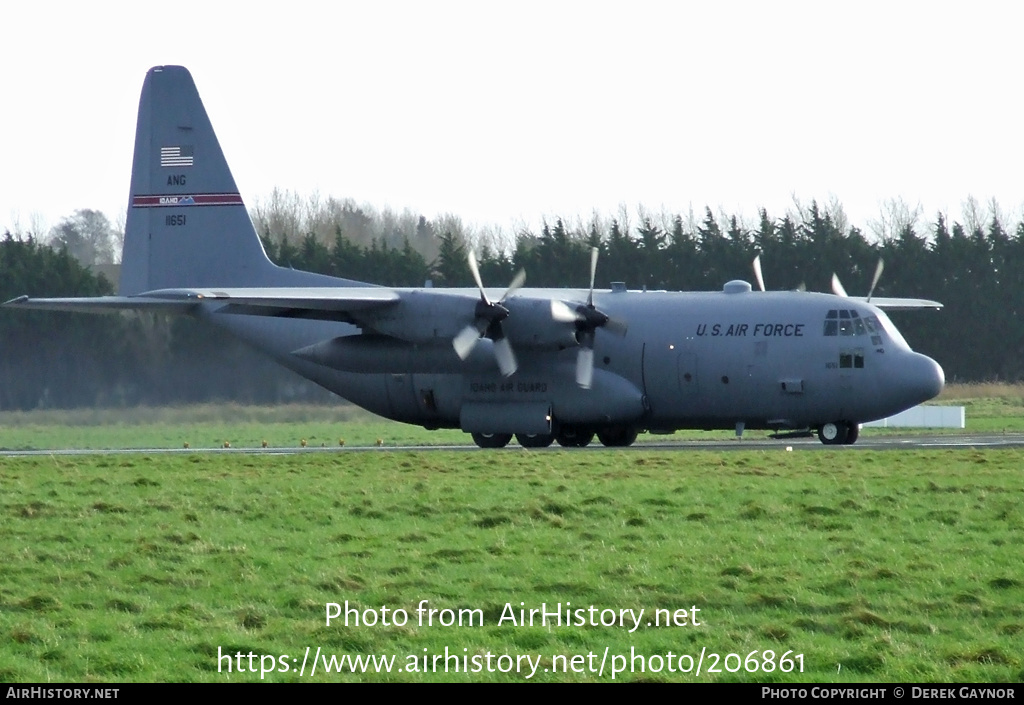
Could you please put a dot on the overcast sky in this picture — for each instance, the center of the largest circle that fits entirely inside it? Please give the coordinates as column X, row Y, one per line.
column 508, row 112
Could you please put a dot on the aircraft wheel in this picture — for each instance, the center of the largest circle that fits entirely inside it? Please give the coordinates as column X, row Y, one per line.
column 534, row 440
column 492, row 440
column 852, row 433
column 583, row 440
column 617, row 436
column 834, row 433
column 570, row 437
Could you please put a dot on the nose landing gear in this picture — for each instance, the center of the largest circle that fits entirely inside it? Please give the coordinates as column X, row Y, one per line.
column 838, row 433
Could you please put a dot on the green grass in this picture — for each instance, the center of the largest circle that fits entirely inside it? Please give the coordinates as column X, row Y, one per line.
column 876, row 566
column 210, row 426
column 990, row 409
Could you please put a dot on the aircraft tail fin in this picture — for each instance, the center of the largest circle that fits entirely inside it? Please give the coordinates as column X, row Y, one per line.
column 187, row 226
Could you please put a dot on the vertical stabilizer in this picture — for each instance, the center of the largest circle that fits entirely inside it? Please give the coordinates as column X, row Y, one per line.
column 187, row 225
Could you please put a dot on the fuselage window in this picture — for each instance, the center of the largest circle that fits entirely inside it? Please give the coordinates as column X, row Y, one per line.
column 858, row 358
column 845, row 359
column 845, row 326
column 858, row 326
column 831, row 327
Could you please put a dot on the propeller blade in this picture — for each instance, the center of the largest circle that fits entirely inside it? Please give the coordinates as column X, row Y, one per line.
column 471, row 256
column 878, row 275
column 593, row 274
column 757, row 272
column 585, row 367
column 562, row 313
column 616, row 326
column 505, row 357
column 465, row 341
column 517, row 283
column 837, row 287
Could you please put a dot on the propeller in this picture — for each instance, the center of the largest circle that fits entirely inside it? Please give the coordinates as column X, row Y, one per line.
column 487, row 318
column 587, row 319
column 760, row 277
column 878, row 275
column 757, row 272
column 837, row 286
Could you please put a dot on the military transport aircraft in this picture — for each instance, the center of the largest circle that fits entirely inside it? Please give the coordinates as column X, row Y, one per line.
column 543, row 365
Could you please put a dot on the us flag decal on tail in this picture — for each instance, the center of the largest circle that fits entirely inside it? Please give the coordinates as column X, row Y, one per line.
column 176, row 156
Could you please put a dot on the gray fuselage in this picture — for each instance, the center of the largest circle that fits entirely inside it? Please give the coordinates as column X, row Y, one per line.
column 688, row 360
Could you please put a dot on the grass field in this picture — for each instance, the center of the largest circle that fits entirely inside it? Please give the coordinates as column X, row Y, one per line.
column 990, row 408
column 874, row 566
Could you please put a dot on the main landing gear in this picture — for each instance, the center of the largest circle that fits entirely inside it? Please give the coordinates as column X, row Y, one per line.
column 572, row 437
column 492, row 440
column 535, row 440
column 617, row 436
column 567, row 437
column 838, row 433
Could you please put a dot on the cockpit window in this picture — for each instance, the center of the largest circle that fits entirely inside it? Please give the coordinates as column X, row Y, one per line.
column 848, row 322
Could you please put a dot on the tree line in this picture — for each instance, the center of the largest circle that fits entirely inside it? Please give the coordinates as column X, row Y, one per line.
column 65, row 360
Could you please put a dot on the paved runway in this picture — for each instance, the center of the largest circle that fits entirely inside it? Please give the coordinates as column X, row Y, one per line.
column 889, row 442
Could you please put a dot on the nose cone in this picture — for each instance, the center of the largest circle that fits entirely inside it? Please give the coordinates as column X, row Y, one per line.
column 924, row 377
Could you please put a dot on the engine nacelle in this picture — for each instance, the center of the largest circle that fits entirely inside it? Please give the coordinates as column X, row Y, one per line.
column 425, row 316
column 422, row 316
column 530, row 325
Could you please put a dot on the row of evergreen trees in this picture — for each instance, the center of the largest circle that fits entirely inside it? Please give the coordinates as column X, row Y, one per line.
column 65, row 360
column 975, row 272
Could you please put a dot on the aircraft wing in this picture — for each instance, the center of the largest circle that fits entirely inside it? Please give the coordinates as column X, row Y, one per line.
column 104, row 304
column 332, row 303
column 317, row 303
column 263, row 300
column 896, row 304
